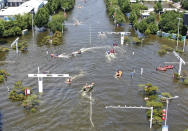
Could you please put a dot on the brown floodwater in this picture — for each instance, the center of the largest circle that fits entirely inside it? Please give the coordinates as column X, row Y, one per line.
column 62, row 107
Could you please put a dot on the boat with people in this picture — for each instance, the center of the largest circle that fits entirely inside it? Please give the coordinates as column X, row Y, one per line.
column 118, row 74
column 68, row 81
column 164, row 68
column 169, row 66
column 161, row 68
column 87, row 88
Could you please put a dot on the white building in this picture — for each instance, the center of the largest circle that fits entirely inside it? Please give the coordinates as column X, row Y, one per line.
column 26, row 7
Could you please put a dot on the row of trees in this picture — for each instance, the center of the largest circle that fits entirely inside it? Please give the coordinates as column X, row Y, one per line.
column 41, row 19
column 14, row 27
column 148, row 25
column 168, row 21
column 114, row 11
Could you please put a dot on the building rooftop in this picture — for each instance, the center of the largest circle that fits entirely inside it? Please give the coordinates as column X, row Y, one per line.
column 23, row 8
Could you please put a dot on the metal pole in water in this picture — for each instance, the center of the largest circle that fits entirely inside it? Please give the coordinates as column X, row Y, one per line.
column 91, row 109
column 180, row 65
column 141, row 71
column 184, row 45
column 151, row 117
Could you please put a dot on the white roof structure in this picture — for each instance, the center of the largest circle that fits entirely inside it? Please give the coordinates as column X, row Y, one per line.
column 23, row 8
column 169, row 9
column 145, row 13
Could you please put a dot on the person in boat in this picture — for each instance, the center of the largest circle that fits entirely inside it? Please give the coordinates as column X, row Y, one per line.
column 115, row 44
column 53, row 55
column 69, row 80
column 87, row 87
column 108, row 52
column 112, row 51
column 79, row 52
column 118, row 73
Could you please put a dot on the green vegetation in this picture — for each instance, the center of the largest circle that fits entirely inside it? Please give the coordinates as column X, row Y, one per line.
column 125, row 6
column 41, row 18
column 3, row 75
column 56, row 23
column 56, row 39
column 158, row 7
column 114, row 11
column 22, row 46
column 148, row 25
column 55, row 5
column 4, row 49
column 17, row 94
column 153, row 100
column 15, row 27
column 136, row 40
column 164, row 49
column 184, row 4
column 169, row 22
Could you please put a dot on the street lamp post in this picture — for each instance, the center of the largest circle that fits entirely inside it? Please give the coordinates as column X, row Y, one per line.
column 178, row 31
column 167, row 101
column 165, row 127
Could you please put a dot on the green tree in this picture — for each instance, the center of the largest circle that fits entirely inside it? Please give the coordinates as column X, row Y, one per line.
column 125, row 5
column 153, row 28
column 41, row 18
column 169, row 22
column 133, row 17
column 158, row 7
column 147, row 32
column 184, row 4
column 142, row 26
column 1, row 27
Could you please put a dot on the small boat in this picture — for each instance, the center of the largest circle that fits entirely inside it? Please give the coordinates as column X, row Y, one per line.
column 68, row 81
column 88, row 88
column 161, row 68
column 169, row 66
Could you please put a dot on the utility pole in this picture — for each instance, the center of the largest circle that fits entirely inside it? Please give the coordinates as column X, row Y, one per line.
column 178, row 31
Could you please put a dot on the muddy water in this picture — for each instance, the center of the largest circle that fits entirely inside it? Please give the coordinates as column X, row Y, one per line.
column 62, row 108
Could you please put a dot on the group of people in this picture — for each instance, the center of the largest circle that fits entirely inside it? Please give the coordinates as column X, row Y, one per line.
column 86, row 88
column 112, row 51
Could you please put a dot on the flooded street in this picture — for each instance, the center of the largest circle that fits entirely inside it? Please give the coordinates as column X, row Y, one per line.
column 62, row 108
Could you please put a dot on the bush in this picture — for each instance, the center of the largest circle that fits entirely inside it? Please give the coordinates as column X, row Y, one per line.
column 4, row 49
column 29, row 102
column 136, row 40
column 56, row 39
column 185, row 81
column 162, row 52
column 176, row 76
column 22, row 46
column 3, row 75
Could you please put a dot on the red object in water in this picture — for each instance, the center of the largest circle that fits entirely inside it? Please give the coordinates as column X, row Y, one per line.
column 112, row 51
column 164, row 111
column 160, row 68
column 169, row 66
column 27, row 92
column 163, row 118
